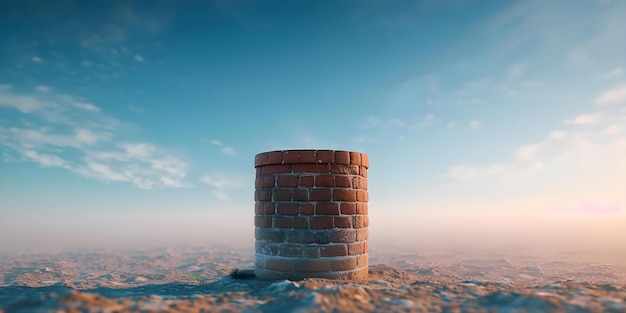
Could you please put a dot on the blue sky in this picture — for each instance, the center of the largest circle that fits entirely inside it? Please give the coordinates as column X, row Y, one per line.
column 472, row 109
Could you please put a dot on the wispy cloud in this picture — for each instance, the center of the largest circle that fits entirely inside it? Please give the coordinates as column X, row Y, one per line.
column 615, row 73
column 42, row 88
column 139, row 58
column 516, row 71
column 221, row 184
column 63, row 131
column 584, row 119
column 614, row 95
column 225, row 149
column 36, row 59
column 476, row 124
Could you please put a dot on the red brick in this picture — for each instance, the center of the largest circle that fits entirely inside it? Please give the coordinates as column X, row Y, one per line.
column 355, row 158
column 327, row 208
column 262, row 247
column 290, row 251
column 322, row 194
column 361, row 221
column 269, row 208
column 275, row 157
column 258, row 208
column 325, row 156
column 361, row 208
column 343, row 264
column 361, row 261
column 300, row 222
column 325, row 181
column 312, row 265
column 259, row 171
column 344, row 169
column 343, row 235
column 356, row 248
column 263, row 221
column 348, row 208
column 265, row 195
column 342, row 157
column 288, row 181
column 301, row 236
column 258, row 233
column 363, row 171
column 309, row 156
column 282, row 194
column 343, row 221
column 311, row 168
column 272, row 169
column 258, row 182
column 321, row 222
column 343, row 181
column 268, row 181
column 359, row 182
column 282, row 222
column 312, row 252
column 300, row 195
column 362, row 196
column 270, row 235
column 279, row 265
column 307, row 208
column 322, row 237
column 365, row 161
column 288, row 208
column 290, row 157
column 260, row 159
column 362, row 234
column 257, row 195
column 333, row 250
column 344, row 194
column 306, row 181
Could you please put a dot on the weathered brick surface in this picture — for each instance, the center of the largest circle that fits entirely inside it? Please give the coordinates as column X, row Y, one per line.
column 311, row 214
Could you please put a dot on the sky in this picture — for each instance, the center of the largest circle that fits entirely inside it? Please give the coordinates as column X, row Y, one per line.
column 136, row 123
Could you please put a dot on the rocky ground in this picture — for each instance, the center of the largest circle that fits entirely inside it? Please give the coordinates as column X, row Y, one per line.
column 197, row 280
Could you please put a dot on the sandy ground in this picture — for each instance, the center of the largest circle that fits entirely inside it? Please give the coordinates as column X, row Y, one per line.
column 197, row 280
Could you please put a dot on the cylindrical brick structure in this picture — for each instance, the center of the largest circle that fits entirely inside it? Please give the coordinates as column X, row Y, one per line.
column 311, row 214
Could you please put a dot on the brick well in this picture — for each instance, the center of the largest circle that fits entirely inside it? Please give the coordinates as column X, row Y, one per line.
column 311, row 214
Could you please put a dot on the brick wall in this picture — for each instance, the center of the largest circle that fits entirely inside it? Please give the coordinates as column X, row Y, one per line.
column 311, row 214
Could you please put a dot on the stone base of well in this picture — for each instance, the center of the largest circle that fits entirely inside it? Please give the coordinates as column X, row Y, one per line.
column 344, row 268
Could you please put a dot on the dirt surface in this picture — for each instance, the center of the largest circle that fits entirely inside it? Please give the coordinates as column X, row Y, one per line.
column 197, row 280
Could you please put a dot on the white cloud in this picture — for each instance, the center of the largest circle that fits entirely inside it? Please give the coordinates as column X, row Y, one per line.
column 221, row 183
column 138, row 58
column 36, row 59
column 426, row 121
column 476, row 124
column 615, row 95
column 557, row 135
column 612, row 130
column 516, row 71
column 450, row 124
column 585, row 119
column 86, row 63
column 6, row 87
column 229, row 150
column 43, row 88
column 87, row 106
column 221, row 195
column 45, row 160
column 615, row 73
column 217, row 142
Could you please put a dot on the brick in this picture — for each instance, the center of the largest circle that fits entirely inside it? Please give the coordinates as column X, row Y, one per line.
column 291, row 251
column 282, row 222
column 306, row 181
column 343, row 181
column 273, row 169
column 356, row 248
column 260, row 159
column 258, row 233
column 258, row 208
column 281, row 194
column 342, row 157
column 361, row 221
column 311, row 265
column 361, row 208
column 343, row 264
column 321, row 194
column 321, row 237
column 311, row 168
column 343, row 236
column 333, row 250
column 343, row 221
column 362, row 196
column 355, row 158
column 288, row 181
column 347, row 208
column 263, row 247
column 359, row 182
column 257, row 195
column 309, row 156
column 325, row 156
column 361, row 261
column 300, row 222
column 362, row 234
column 269, row 208
column 268, row 181
column 312, row 252
column 287, row 208
column 275, row 157
column 262, row 221
column 258, row 182
column 365, row 161
column 265, row 195
column 279, row 265
column 301, row 236
column 272, row 235
column 307, row 208
column 300, row 195
column 363, row 171
column 321, row 222
column 259, row 171
column 343, row 169
column 290, row 157
column 327, row 208
column 344, row 195
column 324, row 181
